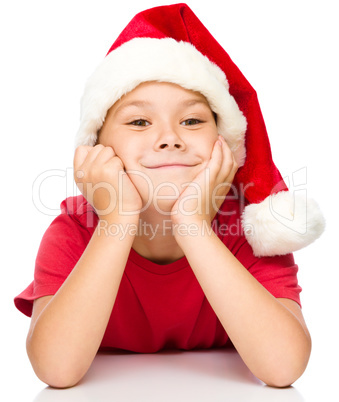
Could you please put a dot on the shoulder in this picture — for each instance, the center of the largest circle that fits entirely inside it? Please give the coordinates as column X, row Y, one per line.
column 68, row 235
column 75, row 205
column 79, row 210
column 73, row 226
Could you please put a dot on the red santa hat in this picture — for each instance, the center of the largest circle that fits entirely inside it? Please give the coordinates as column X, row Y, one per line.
column 170, row 44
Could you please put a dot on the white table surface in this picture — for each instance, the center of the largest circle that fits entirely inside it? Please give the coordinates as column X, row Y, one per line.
column 213, row 375
column 205, row 375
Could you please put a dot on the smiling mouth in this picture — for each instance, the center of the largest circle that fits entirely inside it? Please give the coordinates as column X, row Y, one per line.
column 172, row 165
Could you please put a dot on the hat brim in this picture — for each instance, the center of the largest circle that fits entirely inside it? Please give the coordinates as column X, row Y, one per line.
column 164, row 60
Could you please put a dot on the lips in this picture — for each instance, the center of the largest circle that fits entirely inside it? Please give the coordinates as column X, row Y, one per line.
column 170, row 165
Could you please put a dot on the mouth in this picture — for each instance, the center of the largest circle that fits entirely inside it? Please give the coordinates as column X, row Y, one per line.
column 169, row 166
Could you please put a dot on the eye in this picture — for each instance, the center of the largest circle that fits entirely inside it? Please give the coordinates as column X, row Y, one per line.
column 191, row 122
column 139, row 123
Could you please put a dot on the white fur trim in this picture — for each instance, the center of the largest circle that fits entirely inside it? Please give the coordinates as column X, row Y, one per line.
column 282, row 223
column 164, row 60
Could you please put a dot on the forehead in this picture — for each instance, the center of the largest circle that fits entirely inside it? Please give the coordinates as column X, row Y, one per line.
column 148, row 92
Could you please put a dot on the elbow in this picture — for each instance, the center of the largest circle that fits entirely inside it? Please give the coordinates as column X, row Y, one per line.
column 57, row 378
column 54, row 371
column 59, row 383
column 281, row 380
column 286, row 371
column 285, row 375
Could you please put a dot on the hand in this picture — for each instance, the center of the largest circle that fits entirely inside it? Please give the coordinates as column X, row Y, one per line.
column 100, row 176
column 202, row 198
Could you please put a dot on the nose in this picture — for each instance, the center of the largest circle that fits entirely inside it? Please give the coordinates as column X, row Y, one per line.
column 170, row 140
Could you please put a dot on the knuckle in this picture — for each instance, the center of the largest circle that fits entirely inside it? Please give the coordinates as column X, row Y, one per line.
column 108, row 151
column 108, row 148
column 79, row 175
column 117, row 163
column 80, row 148
column 98, row 146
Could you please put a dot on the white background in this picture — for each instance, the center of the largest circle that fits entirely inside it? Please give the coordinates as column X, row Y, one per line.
column 288, row 50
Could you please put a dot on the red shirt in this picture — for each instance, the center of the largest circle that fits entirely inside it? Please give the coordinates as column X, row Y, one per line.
column 157, row 306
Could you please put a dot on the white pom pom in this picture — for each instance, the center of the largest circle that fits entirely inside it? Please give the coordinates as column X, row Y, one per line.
column 282, row 223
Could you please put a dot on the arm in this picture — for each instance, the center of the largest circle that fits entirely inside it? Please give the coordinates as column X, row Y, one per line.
column 270, row 334
column 64, row 338
column 67, row 328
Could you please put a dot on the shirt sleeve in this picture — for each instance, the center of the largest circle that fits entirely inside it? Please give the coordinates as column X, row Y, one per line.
column 277, row 274
column 60, row 249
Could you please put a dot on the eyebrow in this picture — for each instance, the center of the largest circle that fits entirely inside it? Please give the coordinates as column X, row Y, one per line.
column 192, row 102
column 136, row 103
column 144, row 103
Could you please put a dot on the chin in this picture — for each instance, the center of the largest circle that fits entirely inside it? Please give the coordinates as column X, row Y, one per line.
column 158, row 206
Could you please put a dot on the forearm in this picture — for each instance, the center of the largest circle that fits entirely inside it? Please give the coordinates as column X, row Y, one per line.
column 68, row 332
column 268, row 336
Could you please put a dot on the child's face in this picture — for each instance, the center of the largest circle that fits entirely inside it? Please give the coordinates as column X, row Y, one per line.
column 160, row 124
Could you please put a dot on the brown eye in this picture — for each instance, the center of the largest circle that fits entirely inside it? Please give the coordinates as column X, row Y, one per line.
column 191, row 122
column 139, row 123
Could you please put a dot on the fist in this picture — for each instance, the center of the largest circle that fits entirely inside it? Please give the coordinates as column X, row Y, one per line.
column 100, row 176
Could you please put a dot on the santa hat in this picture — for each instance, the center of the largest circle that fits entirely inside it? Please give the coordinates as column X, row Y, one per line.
column 170, row 44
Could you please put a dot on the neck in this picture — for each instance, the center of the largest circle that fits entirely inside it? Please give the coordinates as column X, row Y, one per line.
column 155, row 240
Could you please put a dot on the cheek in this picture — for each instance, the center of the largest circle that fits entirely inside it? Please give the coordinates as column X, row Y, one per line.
column 207, row 145
column 126, row 158
column 120, row 149
column 129, row 152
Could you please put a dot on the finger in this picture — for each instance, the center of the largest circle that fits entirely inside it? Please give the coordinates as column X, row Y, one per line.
column 80, row 155
column 228, row 180
column 94, row 152
column 215, row 162
column 106, row 154
column 87, row 164
column 115, row 163
column 228, row 163
column 234, row 169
